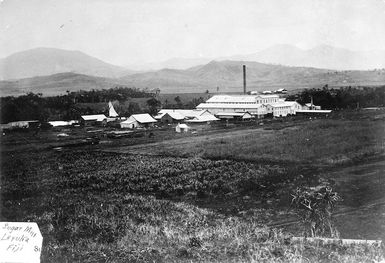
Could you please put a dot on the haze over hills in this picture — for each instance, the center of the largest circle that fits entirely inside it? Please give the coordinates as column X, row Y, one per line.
column 173, row 63
column 227, row 75
column 48, row 61
column 56, row 84
column 55, row 71
column 322, row 56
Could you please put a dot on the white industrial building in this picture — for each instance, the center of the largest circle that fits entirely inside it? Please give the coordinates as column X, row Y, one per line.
column 257, row 105
column 284, row 108
column 254, row 104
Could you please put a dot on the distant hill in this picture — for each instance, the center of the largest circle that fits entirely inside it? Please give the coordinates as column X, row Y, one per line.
column 48, row 61
column 173, row 63
column 227, row 75
column 323, row 56
column 57, row 84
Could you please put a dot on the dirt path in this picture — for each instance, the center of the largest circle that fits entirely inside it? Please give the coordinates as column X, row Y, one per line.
column 154, row 148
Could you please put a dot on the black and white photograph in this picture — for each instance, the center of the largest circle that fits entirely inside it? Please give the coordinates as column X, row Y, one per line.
column 192, row 131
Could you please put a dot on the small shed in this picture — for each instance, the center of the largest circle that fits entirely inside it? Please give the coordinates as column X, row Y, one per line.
column 182, row 128
column 170, row 117
column 138, row 120
column 93, row 119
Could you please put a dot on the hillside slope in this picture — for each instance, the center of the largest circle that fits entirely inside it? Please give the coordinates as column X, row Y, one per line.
column 322, row 56
column 57, row 84
column 227, row 75
column 48, row 61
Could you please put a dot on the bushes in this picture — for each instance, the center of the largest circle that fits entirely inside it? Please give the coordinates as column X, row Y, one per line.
column 36, row 107
column 343, row 97
column 314, row 206
column 164, row 177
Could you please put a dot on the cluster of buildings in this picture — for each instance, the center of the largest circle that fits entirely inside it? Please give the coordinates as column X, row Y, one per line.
column 218, row 107
column 145, row 120
column 225, row 107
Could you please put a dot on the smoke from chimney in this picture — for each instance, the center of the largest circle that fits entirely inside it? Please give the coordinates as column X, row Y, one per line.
column 244, row 79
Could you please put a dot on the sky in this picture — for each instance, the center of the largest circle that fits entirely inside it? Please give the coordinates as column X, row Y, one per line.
column 125, row 32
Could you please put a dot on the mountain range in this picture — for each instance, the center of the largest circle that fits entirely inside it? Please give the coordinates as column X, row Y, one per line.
column 322, row 56
column 56, row 84
column 228, row 76
column 48, row 61
column 54, row 71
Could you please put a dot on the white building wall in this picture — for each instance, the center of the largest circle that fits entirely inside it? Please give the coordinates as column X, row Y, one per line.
column 130, row 123
column 263, row 105
column 281, row 111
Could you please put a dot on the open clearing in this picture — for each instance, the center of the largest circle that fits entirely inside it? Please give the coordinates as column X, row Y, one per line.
column 336, row 150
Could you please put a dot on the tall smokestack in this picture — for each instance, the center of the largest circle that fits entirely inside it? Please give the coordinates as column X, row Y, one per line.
column 244, row 79
column 311, row 102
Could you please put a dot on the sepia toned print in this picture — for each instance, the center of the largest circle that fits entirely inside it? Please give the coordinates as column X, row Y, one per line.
column 192, row 131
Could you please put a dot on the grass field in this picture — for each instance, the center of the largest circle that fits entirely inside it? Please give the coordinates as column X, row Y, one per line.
column 205, row 198
column 321, row 141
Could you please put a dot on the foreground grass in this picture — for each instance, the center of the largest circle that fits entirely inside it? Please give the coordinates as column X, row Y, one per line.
column 100, row 207
column 129, row 228
column 324, row 141
column 143, row 229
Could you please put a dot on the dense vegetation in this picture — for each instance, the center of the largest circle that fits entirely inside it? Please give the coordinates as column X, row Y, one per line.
column 72, row 105
column 66, row 107
column 343, row 98
column 178, row 103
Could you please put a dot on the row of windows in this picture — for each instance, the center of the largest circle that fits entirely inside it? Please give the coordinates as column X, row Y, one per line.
column 283, row 108
column 235, row 110
column 254, row 102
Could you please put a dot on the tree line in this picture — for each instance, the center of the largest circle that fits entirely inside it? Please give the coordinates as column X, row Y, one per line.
column 70, row 106
column 343, row 97
column 33, row 106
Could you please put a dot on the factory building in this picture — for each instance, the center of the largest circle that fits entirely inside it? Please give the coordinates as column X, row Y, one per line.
column 256, row 105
